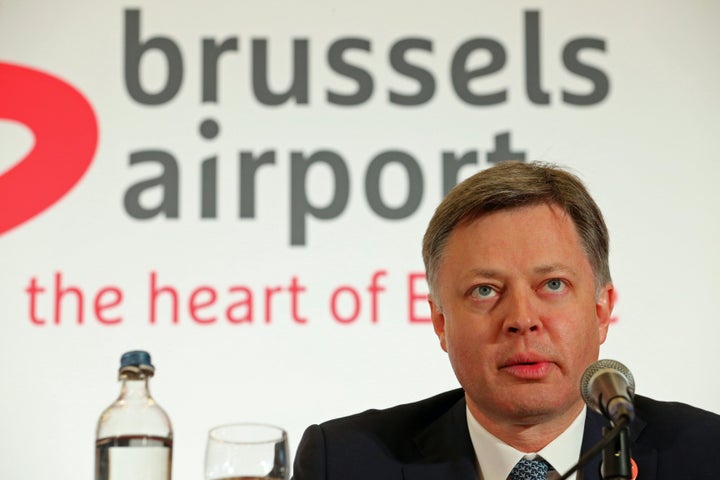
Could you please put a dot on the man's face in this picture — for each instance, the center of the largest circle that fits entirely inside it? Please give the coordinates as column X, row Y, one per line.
column 519, row 314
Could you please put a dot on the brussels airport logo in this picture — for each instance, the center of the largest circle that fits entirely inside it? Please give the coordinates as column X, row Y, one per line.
column 65, row 127
column 355, row 61
column 65, row 131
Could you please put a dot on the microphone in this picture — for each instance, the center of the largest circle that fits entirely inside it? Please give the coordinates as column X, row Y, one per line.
column 608, row 387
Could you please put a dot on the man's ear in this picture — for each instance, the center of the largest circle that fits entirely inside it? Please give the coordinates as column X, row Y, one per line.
column 603, row 309
column 438, row 320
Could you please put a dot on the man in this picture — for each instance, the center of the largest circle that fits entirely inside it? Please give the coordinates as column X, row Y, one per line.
column 521, row 298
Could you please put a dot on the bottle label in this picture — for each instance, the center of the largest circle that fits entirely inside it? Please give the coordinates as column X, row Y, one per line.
column 139, row 463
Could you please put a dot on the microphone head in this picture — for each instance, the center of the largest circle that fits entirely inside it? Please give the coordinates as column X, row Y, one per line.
column 613, row 366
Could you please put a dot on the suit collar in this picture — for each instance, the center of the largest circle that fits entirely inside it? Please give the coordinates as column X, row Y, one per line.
column 446, row 449
column 447, row 452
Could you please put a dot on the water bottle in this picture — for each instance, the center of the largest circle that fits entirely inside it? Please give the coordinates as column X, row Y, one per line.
column 134, row 435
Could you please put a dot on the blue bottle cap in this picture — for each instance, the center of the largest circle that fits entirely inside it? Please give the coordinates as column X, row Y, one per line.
column 135, row 358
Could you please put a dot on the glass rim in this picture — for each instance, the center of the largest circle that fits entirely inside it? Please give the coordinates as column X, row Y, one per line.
column 275, row 433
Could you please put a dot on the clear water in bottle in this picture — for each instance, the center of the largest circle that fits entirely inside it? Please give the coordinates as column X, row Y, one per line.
column 134, row 434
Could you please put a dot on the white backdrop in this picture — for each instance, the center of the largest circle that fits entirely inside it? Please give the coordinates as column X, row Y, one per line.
column 647, row 148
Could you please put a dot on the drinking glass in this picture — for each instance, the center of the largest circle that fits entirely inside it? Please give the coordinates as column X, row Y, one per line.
column 247, row 451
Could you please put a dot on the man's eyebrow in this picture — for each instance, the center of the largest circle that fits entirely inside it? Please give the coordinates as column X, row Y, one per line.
column 485, row 272
column 539, row 270
column 554, row 267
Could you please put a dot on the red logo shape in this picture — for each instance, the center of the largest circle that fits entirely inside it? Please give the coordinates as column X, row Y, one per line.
column 66, row 134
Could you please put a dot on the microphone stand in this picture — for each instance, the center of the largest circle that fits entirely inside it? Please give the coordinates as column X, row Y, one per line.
column 610, row 444
column 616, row 456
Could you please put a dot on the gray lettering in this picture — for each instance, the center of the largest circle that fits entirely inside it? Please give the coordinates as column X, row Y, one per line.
column 451, row 168
column 415, row 185
column 532, row 59
column 572, row 62
column 298, row 88
column 249, row 164
column 211, row 56
column 363, row 79
column 135, row 49
column 208, row 188
column 300, row 205
column 502, row 150
column 462, row 77
column 423, row 77
column 168, row 181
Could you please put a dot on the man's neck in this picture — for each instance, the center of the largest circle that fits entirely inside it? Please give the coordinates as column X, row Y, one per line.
column 528, row 434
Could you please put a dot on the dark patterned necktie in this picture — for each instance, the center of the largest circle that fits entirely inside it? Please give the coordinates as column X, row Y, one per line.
column 536, row 469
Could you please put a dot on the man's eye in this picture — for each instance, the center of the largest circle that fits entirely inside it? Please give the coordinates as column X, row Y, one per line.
column 555, row 285
column 484, row 291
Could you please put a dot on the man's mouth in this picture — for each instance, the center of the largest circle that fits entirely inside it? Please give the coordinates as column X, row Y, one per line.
column 527, row 367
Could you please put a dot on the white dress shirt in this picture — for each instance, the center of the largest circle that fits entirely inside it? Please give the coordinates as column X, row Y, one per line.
column 496, row 459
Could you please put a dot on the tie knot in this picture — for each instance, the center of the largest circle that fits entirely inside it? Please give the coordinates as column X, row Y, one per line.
column 525, row 469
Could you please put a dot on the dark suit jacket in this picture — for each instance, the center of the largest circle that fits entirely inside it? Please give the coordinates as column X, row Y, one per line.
column 430, row 440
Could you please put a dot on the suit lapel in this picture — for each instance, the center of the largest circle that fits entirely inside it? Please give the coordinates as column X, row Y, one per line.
column 591, row 436
column 446, row 449
column 644, row 456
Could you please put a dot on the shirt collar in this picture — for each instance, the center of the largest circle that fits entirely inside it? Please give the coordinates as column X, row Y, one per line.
column 496, row 459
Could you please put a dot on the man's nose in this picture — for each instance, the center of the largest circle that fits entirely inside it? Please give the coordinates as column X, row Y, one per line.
column 521, row 313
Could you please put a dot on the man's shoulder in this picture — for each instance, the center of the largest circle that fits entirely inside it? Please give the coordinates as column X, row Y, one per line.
column 379, row 444
column 676, row 418
column 670, row 426
column 408, row 416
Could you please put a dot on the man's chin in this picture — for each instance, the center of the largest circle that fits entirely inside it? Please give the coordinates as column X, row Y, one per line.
column 529, row 410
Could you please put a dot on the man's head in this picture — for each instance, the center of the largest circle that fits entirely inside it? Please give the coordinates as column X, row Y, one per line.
column 510, row 185
column 521, row 297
